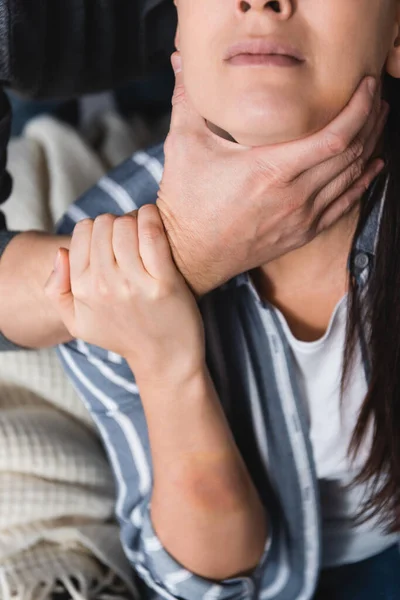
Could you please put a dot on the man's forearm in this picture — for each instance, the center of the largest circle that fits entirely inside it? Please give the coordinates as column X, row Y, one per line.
column 205, row 508
column 26, row 316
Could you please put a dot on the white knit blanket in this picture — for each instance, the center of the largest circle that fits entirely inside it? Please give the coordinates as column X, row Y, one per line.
column 56, row 489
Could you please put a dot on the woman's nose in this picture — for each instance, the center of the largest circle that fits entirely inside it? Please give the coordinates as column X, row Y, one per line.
column 282, row 8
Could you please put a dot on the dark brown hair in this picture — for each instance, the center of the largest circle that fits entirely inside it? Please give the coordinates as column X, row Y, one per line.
column 379, row 309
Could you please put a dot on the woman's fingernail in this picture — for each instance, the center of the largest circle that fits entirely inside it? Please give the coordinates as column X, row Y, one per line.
column 176, row 63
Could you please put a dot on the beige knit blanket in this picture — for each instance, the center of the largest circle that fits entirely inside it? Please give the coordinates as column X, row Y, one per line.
column 56, row 489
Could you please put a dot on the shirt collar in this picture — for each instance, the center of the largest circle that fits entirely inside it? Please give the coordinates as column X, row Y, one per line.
column 368, row 239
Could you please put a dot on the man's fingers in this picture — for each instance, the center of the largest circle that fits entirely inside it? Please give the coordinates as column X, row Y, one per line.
column 176, row 62
column 58, row 289
column 346, row 201
column 332, row 140
column 376, row 132
column 350, row 163
column 184, row 115
column 154, row 247
column 377, row 107
column 346, row 181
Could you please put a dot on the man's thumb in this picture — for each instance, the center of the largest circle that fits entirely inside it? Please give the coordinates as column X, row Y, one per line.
column 58, row 288
column 184, row 115
column 176, row 61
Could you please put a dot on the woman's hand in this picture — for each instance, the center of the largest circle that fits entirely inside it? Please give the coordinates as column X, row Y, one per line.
column 118, row 288
column 228, row 209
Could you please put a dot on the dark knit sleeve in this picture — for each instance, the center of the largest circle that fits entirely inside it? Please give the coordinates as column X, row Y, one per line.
column 56, row 48
column 5, row 179
column 5, row 128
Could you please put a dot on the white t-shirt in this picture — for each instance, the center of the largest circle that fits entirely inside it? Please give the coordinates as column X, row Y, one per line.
column 319, row 368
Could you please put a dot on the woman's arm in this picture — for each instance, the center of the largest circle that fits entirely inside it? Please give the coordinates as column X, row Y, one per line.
column 110, row 392
column 119, row 279
column 205, row 508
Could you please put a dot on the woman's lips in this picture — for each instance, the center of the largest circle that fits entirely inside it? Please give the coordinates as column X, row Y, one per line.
column 272, row 60
column 264, row 52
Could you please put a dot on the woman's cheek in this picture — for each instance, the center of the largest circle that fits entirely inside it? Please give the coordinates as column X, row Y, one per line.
column 205, row 93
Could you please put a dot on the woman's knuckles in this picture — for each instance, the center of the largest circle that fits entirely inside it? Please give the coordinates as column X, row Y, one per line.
column 160, row 291
column 101, row 290
column 93, row 288
column 151, row 232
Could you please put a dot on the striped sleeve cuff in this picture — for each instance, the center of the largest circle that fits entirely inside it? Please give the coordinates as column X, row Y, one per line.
column 180, row 583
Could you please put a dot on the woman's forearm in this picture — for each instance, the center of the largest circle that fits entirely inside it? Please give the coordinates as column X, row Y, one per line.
column 205, row 508
column 27, row 317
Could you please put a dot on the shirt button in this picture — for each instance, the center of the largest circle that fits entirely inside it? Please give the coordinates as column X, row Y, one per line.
column 361, row 261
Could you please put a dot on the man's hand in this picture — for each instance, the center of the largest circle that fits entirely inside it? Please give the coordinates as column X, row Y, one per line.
column 228, row 209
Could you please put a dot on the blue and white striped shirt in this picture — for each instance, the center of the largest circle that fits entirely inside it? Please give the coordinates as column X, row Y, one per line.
column 250, row 363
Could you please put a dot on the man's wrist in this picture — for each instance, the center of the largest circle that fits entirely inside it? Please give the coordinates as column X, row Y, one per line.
column 197, row 277
column 25, row 265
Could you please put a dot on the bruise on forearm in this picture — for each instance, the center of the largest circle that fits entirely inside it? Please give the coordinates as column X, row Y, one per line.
column 205, row 508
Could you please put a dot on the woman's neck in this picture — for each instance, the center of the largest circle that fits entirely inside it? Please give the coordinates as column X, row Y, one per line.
column 316, row 262
column 307, row 284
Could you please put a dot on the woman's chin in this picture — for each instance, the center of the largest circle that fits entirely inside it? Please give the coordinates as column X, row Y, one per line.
column 267, row 129
column 267, row 136
column 263, row 123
